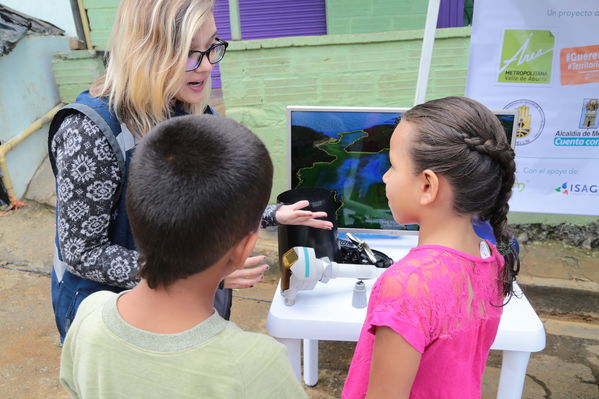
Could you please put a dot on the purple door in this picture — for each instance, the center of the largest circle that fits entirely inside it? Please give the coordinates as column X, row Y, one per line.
column 451, row 14
column 261, row 19
column 223, row 28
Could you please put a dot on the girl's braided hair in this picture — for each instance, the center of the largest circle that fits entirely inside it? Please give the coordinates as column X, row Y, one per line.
column 464, row 141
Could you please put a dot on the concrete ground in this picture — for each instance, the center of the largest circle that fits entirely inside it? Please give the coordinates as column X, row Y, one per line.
column 30, row 353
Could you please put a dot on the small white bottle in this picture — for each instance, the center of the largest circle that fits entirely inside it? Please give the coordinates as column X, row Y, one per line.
column 359, row 296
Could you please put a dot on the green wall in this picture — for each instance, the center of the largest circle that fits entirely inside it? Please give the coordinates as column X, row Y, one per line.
column 343, row 16
column 360, row 16
column 262, row 77
column 75, row 71
column 100, row 14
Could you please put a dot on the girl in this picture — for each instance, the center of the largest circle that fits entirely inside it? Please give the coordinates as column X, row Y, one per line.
column 433, row 316
column 160, row 58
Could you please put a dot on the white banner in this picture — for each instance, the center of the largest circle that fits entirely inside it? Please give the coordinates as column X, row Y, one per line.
column 542, row 58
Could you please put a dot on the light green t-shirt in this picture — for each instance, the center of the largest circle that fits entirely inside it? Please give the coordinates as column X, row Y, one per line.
column 104, row 357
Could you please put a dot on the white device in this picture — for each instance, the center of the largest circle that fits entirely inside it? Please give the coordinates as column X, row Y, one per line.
column 302, row 270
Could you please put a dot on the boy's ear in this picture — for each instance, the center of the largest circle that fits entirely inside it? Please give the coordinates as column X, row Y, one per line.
column 429, row 187
column 243, row 249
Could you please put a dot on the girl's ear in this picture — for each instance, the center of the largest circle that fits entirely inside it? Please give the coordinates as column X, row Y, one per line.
column 429, row 187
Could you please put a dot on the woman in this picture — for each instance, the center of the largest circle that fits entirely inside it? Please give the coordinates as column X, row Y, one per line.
column 161, row 55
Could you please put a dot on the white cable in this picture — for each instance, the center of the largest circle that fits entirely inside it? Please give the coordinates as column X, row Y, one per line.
column 426, row 54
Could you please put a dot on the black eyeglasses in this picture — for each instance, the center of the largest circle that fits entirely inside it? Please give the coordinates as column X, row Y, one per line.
column 215, row 53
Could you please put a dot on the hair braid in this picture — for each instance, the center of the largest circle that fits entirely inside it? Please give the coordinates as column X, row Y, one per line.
column 498, row 220
column 501, row 153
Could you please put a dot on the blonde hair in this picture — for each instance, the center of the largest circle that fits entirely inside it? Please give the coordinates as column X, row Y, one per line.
column 147, row 51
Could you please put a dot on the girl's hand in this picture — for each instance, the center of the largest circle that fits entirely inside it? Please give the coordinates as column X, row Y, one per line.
column 249, row 275
column 292, row 214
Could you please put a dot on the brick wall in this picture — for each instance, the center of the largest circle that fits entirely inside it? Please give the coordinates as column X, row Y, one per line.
column 262, row 77
column 359, row 16
column 100, row 14
column 75, row 71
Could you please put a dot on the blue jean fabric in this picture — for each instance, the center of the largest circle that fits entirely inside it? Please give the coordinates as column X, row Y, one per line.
column 67, row 295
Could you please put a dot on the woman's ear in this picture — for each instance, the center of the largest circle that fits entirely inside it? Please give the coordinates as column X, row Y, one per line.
column 429, row 187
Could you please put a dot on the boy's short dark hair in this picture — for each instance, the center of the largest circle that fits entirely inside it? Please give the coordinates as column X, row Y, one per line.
column 197, row 185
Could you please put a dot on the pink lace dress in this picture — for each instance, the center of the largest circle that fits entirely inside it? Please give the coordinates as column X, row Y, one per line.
column 445, row 304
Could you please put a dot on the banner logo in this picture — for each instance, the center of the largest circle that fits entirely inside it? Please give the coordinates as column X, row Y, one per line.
column 531, row 120
column 578, row 189
column 588, row 117
column 526, row 56
column 579, row 65
column 563, row 189
column 523, row 128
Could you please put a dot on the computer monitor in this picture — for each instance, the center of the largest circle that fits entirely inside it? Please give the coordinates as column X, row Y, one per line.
column 346, row 150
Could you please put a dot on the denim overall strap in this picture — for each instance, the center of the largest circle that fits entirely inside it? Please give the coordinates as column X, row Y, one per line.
column 68, row 289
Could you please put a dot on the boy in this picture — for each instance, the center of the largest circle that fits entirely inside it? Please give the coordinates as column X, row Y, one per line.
column 197, row 189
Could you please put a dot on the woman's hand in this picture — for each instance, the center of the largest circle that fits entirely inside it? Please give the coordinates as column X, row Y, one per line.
column 292, row 214
column 249, row 275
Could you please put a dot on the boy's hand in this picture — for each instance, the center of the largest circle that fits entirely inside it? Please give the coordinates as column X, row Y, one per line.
column 292, row 214
column 249, row 275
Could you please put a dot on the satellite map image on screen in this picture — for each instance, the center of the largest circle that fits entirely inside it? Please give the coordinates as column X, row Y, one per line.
column 348, row 153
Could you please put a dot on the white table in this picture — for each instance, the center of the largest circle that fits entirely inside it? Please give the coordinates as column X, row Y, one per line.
column 325, row 313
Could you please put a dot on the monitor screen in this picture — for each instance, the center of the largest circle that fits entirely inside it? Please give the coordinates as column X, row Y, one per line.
column 346, row 150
